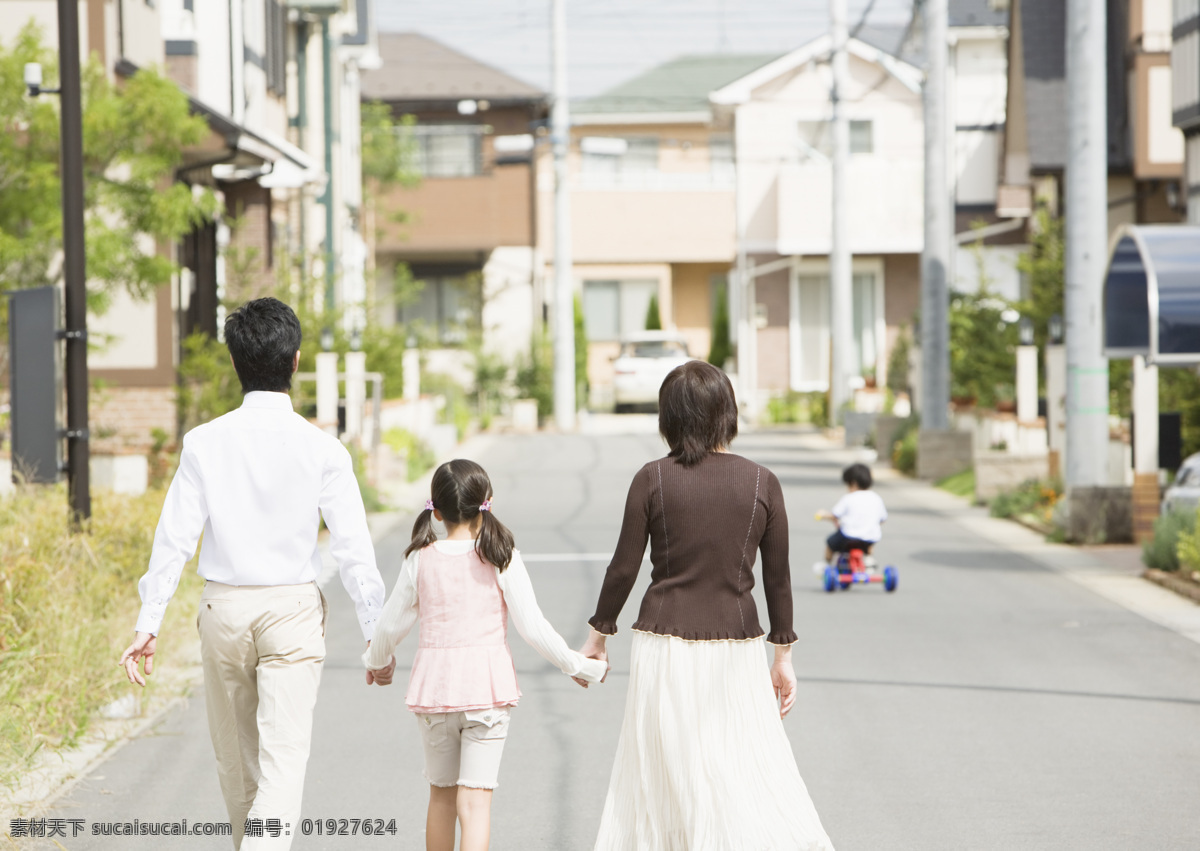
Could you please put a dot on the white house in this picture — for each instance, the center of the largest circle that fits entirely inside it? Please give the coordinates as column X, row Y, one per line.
column 782, row 135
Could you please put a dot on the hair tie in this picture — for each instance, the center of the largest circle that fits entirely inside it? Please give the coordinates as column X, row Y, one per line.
column 487, row 505
column 429, row 505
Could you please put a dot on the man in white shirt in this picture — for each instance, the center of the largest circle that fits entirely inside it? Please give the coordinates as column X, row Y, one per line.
column 257, row 481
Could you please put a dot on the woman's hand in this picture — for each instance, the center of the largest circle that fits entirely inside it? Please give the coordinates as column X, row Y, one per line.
column 594, row 648
column 783, row 678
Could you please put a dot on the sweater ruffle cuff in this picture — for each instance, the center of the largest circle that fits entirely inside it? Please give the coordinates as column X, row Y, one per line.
column 782, row 638
column 602, row 626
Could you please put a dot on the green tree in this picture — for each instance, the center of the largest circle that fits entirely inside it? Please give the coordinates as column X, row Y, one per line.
column 389, row 148
column 1043, row 267
column 133, row 140
column 653, row 319
column 721, row 350
column 983, row 361
column 582, row 385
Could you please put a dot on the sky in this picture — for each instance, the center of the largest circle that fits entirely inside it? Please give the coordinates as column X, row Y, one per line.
column 609, row 41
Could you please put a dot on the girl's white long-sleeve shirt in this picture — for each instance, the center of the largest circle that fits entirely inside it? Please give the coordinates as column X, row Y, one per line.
column 402, row 611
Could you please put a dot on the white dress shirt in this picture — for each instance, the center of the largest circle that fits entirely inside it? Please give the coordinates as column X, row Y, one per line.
column 401, row 613
column 257, row 482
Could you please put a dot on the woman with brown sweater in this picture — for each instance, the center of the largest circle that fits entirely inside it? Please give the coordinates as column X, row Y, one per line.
column 703, row 762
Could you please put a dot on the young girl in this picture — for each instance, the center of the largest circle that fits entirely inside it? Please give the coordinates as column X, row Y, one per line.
column 463, row 681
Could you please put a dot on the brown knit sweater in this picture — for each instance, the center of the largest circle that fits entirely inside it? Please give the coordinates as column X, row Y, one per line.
column 704, row 524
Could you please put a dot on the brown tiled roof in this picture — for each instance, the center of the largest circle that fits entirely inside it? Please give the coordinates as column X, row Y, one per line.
column 415, row 67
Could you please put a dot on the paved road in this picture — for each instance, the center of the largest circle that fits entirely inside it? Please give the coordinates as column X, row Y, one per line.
column 990, row 703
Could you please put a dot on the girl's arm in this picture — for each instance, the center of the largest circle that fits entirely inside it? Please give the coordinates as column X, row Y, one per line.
column 396, row 621
column 537, row 631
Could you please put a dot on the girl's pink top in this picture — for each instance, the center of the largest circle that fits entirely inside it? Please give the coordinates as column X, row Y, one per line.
column 463, row 661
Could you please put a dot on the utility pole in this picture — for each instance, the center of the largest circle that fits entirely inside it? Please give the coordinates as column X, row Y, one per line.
column 1086, row 244
column 564, row 288
column 74, row 261
column 840, row 280
column 935, row 258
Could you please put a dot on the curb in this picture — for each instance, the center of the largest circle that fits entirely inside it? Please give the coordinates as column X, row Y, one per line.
column 1170, row 581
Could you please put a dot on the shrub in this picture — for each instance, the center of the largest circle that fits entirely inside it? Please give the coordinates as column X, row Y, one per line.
column 535, row 373
column 653, row 319
column 721, row 350
column 416, row 452
column 796, row 407
column 1032, row 497
column 904, row 446
column 904, row 453
column 1186, row 549
column 68, row 603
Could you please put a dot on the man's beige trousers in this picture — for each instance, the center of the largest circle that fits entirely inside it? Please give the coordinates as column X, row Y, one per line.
column 262, row 647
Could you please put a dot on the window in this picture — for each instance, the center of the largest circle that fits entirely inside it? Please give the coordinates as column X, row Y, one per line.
column 812, row 371
column 866, row 312
column 448, row 150
column 613, row 309
column 617, row 156
column 447, row 305
column 818, row 136
column 720, row 156
column 862, row 137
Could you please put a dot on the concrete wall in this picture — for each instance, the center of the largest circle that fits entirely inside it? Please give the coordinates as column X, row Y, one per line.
column 996, row 472
column 943, row 453
column 122, row 418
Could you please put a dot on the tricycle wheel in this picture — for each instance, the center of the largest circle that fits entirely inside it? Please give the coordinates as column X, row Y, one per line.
column 831, row 579
column 890, row 578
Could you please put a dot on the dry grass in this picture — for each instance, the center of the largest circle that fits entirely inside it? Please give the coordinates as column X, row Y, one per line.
column 68, row 603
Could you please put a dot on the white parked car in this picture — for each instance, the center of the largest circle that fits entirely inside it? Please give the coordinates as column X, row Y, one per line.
column 1184, row 494
column 643, row 363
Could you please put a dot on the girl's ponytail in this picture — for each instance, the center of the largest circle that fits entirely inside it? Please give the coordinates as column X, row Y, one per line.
column 495, row 542
column 422, row 533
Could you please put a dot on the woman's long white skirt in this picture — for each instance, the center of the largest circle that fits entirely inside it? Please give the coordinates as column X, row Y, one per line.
column 703, row 762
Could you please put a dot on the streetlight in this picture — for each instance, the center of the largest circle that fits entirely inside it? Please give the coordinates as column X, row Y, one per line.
column 1025, row 331
column 1055, row 329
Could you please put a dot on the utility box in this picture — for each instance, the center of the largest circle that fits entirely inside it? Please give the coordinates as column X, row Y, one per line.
column 35, row 384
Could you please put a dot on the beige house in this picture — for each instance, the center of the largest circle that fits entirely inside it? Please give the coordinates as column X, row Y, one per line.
column 652, row 188
column 282, row 154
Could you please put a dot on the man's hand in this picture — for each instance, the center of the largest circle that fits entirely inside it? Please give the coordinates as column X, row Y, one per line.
column 382, row 677
column 142, row 648
column 594, row 648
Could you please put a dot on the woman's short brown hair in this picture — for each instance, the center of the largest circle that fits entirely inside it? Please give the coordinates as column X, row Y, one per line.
column 697, row 412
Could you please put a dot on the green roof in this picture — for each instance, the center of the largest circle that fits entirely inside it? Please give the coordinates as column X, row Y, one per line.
column 681, row 85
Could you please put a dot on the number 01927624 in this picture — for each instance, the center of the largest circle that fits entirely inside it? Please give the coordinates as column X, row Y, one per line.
column 348, row 827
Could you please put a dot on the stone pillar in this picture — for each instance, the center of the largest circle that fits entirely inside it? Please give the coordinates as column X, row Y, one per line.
column 356, row 393
column 327, row 392
column 1146, row 495
column 1027, row 384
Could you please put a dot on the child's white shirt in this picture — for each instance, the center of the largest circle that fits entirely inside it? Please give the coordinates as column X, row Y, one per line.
column 860, row 515
column 401, row 612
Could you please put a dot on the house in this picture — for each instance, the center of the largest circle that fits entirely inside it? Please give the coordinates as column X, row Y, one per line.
column 282, row 154
column 652, row 191
column 1185, row 72
column 468, row 232
column 1145, row 151
column 780, row 115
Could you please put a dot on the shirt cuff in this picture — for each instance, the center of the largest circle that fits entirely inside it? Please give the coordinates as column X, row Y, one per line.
column 591, row 670
column 150, row 618
column 367, row 625
column 373, row 663
column 782, row 638
column 602, row 626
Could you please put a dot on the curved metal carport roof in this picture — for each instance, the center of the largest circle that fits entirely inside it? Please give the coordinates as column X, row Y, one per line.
column 1152, row 294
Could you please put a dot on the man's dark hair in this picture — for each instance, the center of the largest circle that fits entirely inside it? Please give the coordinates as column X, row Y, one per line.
column 263, row 337
column 697, row 413
column 858, row 475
